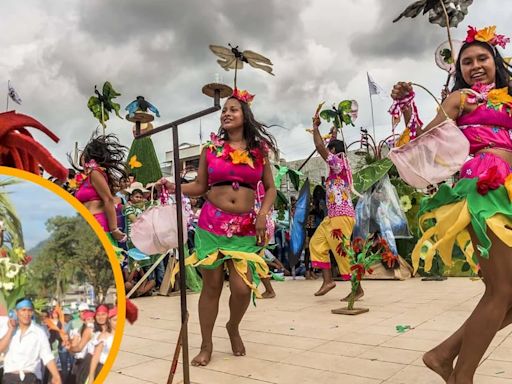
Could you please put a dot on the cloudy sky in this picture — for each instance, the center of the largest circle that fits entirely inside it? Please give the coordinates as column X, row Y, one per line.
column 35, row 205
column 54, row 52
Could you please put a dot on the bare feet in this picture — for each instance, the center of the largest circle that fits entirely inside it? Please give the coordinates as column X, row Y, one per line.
column 309, row 276
column 204, row 357
column 359, row 294
column 443, row 367
column 325, row 288
column 268, row 295
column 237, row 345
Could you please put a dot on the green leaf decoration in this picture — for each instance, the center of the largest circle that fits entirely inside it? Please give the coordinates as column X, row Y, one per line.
column 465, row 267
column 292, row 174
column 369, row 175
column 345, row 106
column 102, row 104
column 328, row 115
column 294, row 178
column 281, row 171
column 281, row 197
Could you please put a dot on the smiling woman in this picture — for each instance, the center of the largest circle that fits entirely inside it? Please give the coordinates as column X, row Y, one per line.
column 56, row 264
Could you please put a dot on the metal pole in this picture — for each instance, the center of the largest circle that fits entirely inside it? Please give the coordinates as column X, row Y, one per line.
column 179, row 214
column 373, row 120
column 181, row 254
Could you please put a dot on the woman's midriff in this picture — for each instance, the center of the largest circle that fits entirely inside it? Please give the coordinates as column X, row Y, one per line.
column 227, row 199
column 95, row 206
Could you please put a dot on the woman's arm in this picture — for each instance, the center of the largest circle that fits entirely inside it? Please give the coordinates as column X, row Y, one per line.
column 199, row 186
column 101, row 186
column 194, row 189
column 268, row 200
column 317, row 139
column 78, row 346
column 452, row 107
column 95, row 361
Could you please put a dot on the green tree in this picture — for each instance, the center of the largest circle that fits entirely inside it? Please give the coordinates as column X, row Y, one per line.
column 72, row 254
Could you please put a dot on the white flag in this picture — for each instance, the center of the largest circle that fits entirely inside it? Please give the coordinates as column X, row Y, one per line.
column 13, row 94
column 375, row 89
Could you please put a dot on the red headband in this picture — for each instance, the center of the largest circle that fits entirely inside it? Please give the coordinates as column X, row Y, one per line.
column 102, row 309
column 112, row 313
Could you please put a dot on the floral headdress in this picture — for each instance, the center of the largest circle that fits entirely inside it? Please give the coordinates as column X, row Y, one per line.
column 486, row 35
column 244, row 96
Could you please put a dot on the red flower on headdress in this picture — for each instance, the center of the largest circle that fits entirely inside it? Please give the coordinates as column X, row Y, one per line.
column 472, row 31
column 490, row 179
column 244, row 96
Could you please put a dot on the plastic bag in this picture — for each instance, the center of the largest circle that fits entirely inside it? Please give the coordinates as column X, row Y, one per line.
column 379, row 210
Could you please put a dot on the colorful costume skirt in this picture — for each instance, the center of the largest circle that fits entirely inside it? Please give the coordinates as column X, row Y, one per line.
column 328, row 237
column 482, row 199
column 222, row 236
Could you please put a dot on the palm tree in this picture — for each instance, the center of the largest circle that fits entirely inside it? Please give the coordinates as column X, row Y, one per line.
column 10, row 224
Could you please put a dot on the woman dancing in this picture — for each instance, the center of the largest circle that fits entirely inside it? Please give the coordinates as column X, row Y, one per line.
column 478, row 205
column 103, row 164
column 229, row 234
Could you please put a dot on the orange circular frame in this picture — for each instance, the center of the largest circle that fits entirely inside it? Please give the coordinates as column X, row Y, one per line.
column 116, row 268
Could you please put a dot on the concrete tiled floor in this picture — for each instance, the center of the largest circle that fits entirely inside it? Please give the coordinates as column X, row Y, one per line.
column 295, row 339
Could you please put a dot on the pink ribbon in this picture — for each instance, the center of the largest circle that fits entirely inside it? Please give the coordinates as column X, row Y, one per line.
column 397, row 108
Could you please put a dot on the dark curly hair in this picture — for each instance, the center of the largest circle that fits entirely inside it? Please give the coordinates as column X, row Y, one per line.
column 503, row 69
column 108, row 153
column 255, row 133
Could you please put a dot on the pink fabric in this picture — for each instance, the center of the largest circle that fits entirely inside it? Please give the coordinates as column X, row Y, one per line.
column 399, row 105
column 222, row 223
column 86, row 191
column 432, row 157
column 481, row 163
column 338, row 183
column 102, row 219
column 220, row 170
column 486, row 128
column 320, row 265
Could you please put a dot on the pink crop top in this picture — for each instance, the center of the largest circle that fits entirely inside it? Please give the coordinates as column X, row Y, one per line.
column 489, row 125
column 487, row 128
column 229, row 166
column 86, row 191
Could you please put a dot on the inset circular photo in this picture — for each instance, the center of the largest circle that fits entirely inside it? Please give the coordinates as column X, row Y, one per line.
column 61, row 288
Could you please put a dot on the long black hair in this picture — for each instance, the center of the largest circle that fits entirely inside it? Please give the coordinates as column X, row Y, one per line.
column 109, row 154
column 255, row 133
column 503, row 69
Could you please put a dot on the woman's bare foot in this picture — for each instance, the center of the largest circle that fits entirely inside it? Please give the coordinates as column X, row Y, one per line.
column 204, row 357
column 443, row 367
column 359, row 294
column 309, row 276
column 325, row 288
column 268, row 295
column 237, row 345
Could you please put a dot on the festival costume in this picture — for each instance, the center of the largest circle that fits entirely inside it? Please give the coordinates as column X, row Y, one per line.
column 221, row 235
column 86, row 192
column 482, row 197
column 339, row 223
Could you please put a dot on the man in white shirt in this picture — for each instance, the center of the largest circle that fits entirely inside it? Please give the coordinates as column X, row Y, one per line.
column 25, row 345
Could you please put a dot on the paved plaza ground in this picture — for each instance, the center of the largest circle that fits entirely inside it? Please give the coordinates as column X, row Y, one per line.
column 295, row 339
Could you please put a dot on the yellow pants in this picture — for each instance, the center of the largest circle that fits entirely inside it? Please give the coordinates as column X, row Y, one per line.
column 328, row 237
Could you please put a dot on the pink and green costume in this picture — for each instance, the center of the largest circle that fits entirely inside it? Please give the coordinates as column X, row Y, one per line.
column 482, row 197
column 222, row 235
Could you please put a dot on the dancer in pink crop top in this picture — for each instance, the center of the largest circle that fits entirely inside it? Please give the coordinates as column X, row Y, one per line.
column 102, row 160
column 230, row 234
column 476, row 212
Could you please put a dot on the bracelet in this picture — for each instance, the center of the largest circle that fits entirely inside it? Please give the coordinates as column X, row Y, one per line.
column 115, row 229
column 261, row 214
